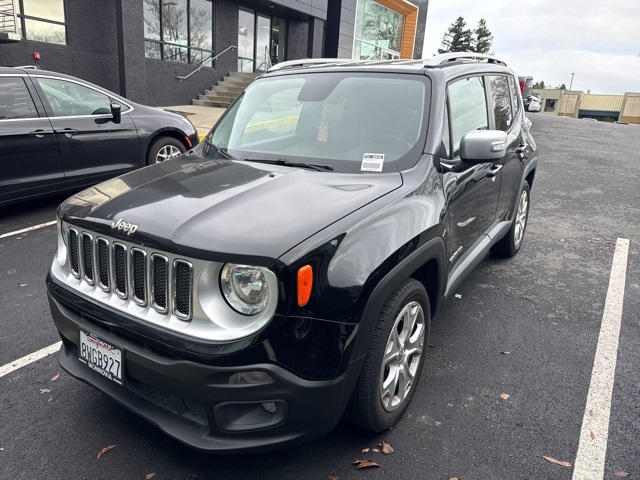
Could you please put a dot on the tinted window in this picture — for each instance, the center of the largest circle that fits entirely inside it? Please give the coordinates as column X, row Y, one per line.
column 15, row 100
column 468, row 104
column 515, row 98
column 71, row 99
column 502, row 108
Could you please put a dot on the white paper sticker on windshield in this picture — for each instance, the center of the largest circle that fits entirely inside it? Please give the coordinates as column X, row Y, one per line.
column 372, row 162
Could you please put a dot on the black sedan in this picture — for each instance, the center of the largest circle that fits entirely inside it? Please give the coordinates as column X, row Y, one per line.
column 60, row 133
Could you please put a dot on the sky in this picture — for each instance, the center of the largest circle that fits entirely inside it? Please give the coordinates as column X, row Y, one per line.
column 597, row 40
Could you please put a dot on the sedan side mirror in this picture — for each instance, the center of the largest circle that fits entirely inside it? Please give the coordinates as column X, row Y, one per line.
column 483, row 146
column 116, row 111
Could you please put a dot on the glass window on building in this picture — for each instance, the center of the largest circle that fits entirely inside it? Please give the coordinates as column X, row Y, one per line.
column 378, row 32
column 42, row 21
column 179, row 30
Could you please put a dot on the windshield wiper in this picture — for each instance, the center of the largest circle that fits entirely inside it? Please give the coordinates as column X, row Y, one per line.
column 288, row 163
column 220, row 150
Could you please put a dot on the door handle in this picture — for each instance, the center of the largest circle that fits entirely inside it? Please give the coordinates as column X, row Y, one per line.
column 39, row 133
column 68, row 132
column 493, row 171
column 521, row 150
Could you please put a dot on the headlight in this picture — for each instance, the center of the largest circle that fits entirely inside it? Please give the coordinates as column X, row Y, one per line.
column 245, row 288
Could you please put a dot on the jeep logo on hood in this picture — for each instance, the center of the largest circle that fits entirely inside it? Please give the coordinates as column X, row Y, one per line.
column 128, row 228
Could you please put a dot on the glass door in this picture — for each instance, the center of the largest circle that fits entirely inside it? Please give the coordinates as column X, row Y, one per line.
column 263, row 43
column 246, row 41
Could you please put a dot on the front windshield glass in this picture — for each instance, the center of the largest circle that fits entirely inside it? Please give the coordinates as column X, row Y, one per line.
column 343, row 120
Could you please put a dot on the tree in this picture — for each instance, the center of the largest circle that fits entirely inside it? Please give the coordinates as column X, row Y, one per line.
column 562, row 87
column 483, row 38
column 458, row 38
column 539, row 85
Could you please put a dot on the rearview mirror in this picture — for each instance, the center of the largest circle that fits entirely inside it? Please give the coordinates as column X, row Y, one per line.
column 480, row 146
column 116, row 111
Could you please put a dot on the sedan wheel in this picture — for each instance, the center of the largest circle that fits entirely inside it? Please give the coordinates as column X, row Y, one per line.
column 164, row 148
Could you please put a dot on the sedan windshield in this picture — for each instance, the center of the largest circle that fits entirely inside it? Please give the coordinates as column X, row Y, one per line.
column 352, row 122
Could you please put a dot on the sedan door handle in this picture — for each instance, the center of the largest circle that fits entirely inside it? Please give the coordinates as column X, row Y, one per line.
column 68, row 132
column 41, row 133
column 493, row 171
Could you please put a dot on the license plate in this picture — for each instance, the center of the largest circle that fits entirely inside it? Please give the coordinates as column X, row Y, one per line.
column 101, row 356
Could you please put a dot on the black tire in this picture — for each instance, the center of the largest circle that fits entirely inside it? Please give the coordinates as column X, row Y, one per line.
column 511, row 243
column 162, row 148
column 368, row 407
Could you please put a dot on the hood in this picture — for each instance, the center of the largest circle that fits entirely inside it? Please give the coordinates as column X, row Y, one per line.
column 223, row 210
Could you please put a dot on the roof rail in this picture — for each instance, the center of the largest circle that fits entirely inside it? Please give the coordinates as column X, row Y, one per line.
column 303, row 62
column 444, row 58
column 27, row 67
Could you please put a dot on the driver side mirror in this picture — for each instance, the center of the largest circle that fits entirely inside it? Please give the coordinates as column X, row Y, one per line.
column 116, row 111
column 483, row 146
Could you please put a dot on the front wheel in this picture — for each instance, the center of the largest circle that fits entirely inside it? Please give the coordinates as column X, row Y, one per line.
column 510, row 244
column 395, row 359
column 163, row 149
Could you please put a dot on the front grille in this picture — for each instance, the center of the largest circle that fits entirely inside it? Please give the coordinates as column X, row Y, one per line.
column 121, row 269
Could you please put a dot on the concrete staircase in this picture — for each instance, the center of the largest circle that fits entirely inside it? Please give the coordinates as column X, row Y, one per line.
column 226, row 90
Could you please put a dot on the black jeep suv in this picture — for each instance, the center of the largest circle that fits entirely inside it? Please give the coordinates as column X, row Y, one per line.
column 285, row 271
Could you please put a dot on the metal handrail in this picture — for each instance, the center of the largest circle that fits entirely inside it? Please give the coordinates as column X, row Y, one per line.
column 267, row 60
column 210, row 57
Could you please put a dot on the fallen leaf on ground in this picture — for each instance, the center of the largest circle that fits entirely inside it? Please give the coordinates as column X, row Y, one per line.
column 24, row 284
column 457, row 295
column 557, row 462
column 44, row 390
column 365, row 450
column 1, row 449
column 50, row 399
column 375, row 450
column 453, row 478
column 621, row 474
column 592, row 435
column 149, row 476
column 334, row 478
column 488, row 395
column 55, row 377
column 505, row 396
column 432, row 345
column 106, row 449
column 505, row 353
column 386, row 448
column 590, row 413
column 365, row 464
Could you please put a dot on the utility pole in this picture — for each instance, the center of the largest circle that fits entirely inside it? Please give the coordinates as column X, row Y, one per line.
column 566, row 105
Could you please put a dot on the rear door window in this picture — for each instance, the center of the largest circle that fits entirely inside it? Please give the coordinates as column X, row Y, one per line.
column 15, row 100
column 501, row 101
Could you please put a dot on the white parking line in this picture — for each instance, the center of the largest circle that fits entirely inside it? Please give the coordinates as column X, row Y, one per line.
column 592, row 449
column 25, row 230
column 26, row 360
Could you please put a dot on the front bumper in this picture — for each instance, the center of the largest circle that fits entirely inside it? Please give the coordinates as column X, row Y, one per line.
column 195, row 403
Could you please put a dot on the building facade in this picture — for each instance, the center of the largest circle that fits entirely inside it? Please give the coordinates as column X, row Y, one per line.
column 142, row 48
column 608, row 108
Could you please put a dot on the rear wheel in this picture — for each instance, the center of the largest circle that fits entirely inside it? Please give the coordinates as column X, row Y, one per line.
column 395, row 359
column 163, row 149
column 510, row 244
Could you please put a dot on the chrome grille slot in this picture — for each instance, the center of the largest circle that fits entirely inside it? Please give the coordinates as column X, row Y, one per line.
column 160, row 267
column 183, row 281
column 153, row 285
column 139, row 276
column 73, row 252
column 87, row 257
column 103, row 263
column 120, row 269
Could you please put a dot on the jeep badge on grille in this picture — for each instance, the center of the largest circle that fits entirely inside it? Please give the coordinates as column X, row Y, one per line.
column 129, row 228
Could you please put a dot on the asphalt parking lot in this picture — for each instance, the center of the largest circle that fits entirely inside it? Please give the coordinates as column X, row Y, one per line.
column 545, row 307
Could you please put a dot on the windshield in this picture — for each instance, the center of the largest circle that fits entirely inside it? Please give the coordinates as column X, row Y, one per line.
column 364, row 122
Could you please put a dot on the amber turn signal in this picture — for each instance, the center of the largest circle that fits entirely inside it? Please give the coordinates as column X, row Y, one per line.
column 305, row 282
